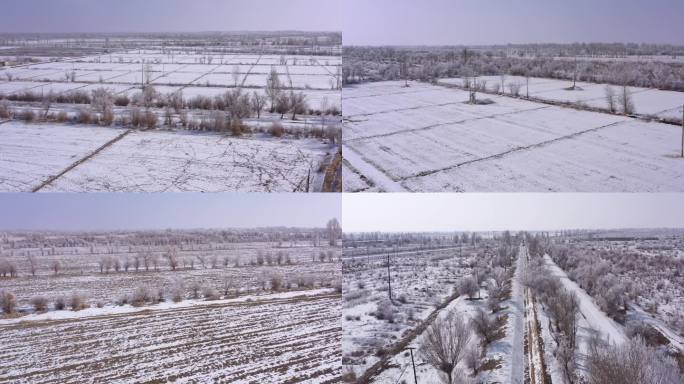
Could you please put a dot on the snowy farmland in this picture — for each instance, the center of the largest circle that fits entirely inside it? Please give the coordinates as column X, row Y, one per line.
column 504, row 309
column 151, row 161
column 147, row 115
column 426, row 138
column 647, row 101
column 427, row 284
column 188, row 306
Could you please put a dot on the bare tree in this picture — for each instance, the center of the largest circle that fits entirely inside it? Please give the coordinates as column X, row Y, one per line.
column 32, row 265
column 273, row 88
column 297, row 103
column 334, row 231
column 258, row 102
column 445, row 344
column 484, row 325
column 55, row 266
column 236, row 75
column 610, row 99
column 625, row 101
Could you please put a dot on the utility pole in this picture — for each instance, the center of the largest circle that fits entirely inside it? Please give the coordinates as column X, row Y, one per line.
column 389, row 278
column 682, row 130
column 415, row 377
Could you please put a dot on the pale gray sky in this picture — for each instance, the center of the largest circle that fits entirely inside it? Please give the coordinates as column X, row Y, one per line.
column 131, row 211
column 418, row 212
column 484, row 22
column 169, row 15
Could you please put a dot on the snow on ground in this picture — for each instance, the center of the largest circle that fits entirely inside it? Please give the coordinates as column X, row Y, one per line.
column 167, row 305
column 264, row 341
column 29, row 154
column 590, row 312
column 401, row 369
column 156, row 161
column 636, row 313
column 425, row 138
column 147, row 161
column 352, row 179
column 592, row 320
column 666, row 104
column 422, row 280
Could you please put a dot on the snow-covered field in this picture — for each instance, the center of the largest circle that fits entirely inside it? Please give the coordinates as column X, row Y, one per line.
column 377, row 331
column 427, row 138
column 269, row 339
column 221, row 305
column 647, row 101
column 286, row 137
column 152, row 161
column 189, row 72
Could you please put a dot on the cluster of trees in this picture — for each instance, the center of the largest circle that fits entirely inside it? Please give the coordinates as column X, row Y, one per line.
column 452, row 341
column 595, row 276
column 383, row 63
column 177, row 291
column 562, row 306
column 151, row 261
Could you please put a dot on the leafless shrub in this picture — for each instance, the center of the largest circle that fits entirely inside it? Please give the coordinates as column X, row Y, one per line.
column 195, row 290
column 27, row 115
column 514, row 88
column 122, row 101
column 210, row 293
column 276, row 129
column 62, row 117
column 150, row 119
column 177, row 291
column 631, row 362
column 77, row 301
column 484, row 325
column 141, row 296
column 136, row 117
column 8, row 302
column 84, row 117
column 40, row 303
column 60, row 303
column 276, row 283
column 468, row 286
column 5, row 112
column 385, row 311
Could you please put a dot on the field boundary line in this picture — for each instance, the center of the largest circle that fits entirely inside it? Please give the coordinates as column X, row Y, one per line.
column 249, row 71
column 51, row 179
column 579, row 106
column 474, row 118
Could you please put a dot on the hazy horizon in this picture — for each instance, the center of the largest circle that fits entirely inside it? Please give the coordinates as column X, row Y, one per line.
column 74, row 212
column 497, row 22
column 485, row 212
column 170, row 16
